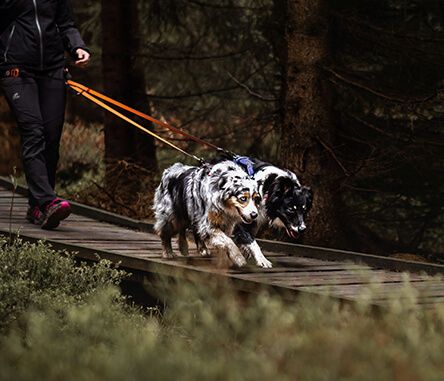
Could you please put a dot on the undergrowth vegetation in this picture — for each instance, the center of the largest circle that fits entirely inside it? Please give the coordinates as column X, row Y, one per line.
column 62, row 321
column 127, row 189
column 81, row 156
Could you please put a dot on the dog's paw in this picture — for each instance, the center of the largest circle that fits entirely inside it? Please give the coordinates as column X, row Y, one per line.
column 183, row 245
column 239, row 260
column 168, row 255
column 184, row 252
column 264, row 263
column 205, row 252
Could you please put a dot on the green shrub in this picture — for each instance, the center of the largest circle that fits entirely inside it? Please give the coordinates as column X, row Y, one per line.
column 97, row 340
column 208, row 332
column 34, row 275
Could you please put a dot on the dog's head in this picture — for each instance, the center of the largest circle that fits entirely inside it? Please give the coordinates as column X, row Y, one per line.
column 235, row 192
column 287, row 203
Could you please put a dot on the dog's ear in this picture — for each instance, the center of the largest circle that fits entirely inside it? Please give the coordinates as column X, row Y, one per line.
column 268, row 182
column 275, row 191
column 221, row 183
column 287, row 184
column 308, row 194
column 215, row 173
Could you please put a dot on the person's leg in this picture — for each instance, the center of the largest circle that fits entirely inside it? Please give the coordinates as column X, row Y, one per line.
column 23, row 97
column 52, row 96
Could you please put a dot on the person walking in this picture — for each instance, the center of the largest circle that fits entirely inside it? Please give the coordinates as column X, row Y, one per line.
column 34, row 35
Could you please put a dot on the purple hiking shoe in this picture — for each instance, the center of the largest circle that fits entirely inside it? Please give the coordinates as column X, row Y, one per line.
column 56, row 211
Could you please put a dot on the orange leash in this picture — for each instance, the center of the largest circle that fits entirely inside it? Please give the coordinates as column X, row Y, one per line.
column 88, row 95
column 84, row 89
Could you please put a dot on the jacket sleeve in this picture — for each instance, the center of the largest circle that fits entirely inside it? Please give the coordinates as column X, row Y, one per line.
column 68, row 30
column 8, row 10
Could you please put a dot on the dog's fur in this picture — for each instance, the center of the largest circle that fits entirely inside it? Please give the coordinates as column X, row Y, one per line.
column 211, row 200
column 285, row 203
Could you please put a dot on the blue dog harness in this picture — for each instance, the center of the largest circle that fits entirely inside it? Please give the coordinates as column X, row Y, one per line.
column 246, row 163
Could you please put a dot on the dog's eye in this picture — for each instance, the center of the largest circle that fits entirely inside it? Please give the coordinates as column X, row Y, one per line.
column 242, row 199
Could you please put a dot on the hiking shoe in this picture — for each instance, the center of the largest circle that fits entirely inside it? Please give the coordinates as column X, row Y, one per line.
column 34, row 215
column 56, row 211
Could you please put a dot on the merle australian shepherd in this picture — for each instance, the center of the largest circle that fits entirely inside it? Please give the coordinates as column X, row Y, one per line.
column 284, row 204
column 210, row 201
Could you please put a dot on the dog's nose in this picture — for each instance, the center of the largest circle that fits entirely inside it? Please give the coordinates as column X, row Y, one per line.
column 253, row 215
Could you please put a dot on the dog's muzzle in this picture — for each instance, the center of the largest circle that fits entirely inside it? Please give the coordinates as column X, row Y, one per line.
column 294, row 231
column 250, row 218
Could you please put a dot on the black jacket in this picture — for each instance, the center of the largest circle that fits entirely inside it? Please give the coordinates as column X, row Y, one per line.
column 35, row 33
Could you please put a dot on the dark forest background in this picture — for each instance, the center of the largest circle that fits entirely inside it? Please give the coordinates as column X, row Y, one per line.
column 348, row 94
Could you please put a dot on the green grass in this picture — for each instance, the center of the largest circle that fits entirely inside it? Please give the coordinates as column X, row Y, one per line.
column 61, row 321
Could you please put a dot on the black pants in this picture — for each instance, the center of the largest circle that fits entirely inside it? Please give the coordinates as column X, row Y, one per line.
column 38, row 104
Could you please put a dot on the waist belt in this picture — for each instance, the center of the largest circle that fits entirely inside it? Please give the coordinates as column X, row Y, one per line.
column 11, row 73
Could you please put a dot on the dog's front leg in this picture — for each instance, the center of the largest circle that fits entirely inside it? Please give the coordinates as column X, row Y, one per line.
column 249, row 247
column 219, row 241
column 200, row 245
column 253, row 249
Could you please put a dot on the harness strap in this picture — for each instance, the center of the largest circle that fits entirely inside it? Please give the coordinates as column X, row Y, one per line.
column 246, row 163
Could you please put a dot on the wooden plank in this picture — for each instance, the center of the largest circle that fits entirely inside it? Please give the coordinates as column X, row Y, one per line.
column 303, row 273
column 100, row 241
column 325, row 265
column 380, row 289
column 298, row 260
column 342, row 255
column 307, row 273
column 335, row 284
column 5, row 193
column 291, row 269
column 4, row 219
column 316, row 281
column 84, row 226
column 123, row 248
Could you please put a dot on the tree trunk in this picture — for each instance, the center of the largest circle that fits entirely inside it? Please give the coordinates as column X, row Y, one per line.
column 307, row 135
column 9, row 141
column 124, row 79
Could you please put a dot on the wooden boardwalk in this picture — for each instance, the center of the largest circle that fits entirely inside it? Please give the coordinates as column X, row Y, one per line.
column 296, row 268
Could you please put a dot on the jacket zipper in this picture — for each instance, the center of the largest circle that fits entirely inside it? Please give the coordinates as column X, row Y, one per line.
column 37, row 22
column 8, row 44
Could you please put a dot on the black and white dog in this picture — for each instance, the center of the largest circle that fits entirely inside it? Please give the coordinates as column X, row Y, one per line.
column 285, row 203
column 209, row 200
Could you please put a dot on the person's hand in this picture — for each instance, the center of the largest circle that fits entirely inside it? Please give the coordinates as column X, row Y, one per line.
column 83, row 57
